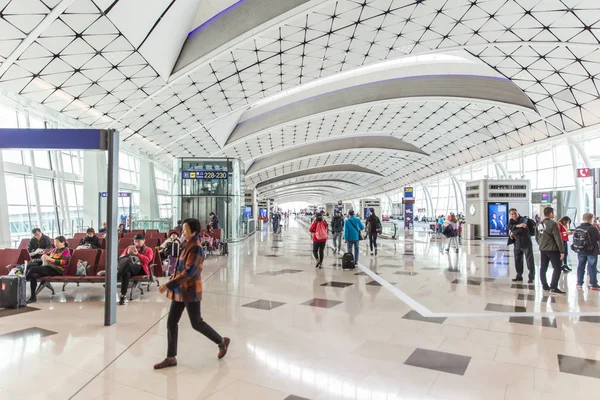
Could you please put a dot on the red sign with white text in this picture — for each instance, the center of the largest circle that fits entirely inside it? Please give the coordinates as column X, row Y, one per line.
column 584, row 172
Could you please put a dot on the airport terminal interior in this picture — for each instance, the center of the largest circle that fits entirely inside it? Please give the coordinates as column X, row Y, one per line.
column 351, row 199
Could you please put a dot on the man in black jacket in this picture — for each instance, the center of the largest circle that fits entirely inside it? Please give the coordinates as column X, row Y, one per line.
column 551, row 249
column 337, row 228
column 589, row 255
column 521, row 238
column 38, row 243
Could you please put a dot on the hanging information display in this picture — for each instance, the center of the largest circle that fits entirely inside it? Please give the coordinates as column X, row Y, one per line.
column 208, row 175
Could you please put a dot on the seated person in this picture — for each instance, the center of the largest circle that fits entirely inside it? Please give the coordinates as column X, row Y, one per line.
column 53, row 264
column 134, row 261
column 178, row 227
column 103, row 229
column 170, row 247
column 91, row 241
column 38, row 243
column 122, row 229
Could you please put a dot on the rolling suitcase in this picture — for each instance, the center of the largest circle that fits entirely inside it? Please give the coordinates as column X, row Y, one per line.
column 12, row 291
column 348, row 261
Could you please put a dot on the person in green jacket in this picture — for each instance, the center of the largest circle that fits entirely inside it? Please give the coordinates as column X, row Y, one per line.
column 551, row 250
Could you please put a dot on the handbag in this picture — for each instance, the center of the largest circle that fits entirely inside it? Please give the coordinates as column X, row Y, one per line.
column 360, row 236
column 321, row 231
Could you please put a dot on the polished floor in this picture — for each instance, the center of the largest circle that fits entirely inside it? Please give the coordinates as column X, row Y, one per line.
column 411, row 323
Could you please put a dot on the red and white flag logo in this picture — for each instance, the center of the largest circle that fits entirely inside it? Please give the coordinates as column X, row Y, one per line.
column 583, row 172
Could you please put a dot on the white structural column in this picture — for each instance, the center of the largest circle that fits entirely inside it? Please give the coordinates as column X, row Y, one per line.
column 579, row 194
column 4, row 218
column 94, row 182
column 430, row 211
column 61, row 192
column 148, row 192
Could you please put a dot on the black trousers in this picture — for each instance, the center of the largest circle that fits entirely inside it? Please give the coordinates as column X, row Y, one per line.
column 126, row 273
column 554, row 258
column 526, row 252
column 318, row 249
column 373, row 240
column 193, row 310
column 35, row 273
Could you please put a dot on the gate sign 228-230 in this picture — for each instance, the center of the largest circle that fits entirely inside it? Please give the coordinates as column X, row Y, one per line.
column 205, row 175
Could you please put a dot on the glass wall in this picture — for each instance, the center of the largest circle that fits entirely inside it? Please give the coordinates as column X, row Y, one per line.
column 39, row 182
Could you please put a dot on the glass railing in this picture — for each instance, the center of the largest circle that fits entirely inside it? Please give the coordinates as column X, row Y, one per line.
column 163, row 225
column 389, row 230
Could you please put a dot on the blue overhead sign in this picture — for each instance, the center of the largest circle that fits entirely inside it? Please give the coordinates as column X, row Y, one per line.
column 54, row 139
column 205, row 175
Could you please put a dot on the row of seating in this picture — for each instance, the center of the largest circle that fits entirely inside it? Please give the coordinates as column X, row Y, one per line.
column 96, row 262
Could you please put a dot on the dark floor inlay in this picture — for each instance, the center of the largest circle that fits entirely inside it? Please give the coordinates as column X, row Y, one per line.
column 337, row 284
column 439, row 361
column 504, row 308
column 323, row 303
column 531, row 297
column 293, row 397
column 579, row 366
column 7, row 312
column 430, row 269
column 522, row 286
column 364, row 273
column 415, row 316
column 272, row 255
column 468, row 282
column 543, row 321
column 375, row 283
column 390, row 266
column 408, row 273
column 592, row 319
column 27, row 333
column 264, row 304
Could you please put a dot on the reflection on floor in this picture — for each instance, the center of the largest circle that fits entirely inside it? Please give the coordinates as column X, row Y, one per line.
column 301, row 333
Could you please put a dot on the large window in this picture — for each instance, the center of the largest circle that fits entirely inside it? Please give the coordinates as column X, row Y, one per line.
column 59, row 184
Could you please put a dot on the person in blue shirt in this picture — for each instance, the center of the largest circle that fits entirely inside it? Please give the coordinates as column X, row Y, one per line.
column 352, row 228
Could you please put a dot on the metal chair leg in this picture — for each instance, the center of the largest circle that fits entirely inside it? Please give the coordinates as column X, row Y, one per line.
column 64, row 285
column 133, row 285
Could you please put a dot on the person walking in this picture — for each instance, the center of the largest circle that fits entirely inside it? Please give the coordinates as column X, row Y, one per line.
column 452, row 229
column 352, row 228
column 276, row 219
column 319, row 231
column 585, row 244
column 185, row 291
column 373, row 229
column 337, row 228
column 564, row 225
column 520, row 231
column 551, row 249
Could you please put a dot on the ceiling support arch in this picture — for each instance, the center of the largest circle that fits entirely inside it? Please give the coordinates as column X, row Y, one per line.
column 381, row 143
column 337, row 168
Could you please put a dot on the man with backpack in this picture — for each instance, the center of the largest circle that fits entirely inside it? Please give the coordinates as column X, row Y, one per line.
column 521, row 229
column 585, row 244
column 551, row 245
column 337, row 228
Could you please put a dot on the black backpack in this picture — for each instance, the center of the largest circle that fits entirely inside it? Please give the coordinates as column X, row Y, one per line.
column 531, row 226
column 582, row 242
column 449, row 231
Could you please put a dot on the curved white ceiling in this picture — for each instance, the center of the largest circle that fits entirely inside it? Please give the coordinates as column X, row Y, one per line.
column 73, row 57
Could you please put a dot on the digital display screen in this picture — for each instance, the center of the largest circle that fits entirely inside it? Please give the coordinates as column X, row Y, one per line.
column 208, row 175
column 545, row 197
column 497, row 219
column 367, row 212
column 263, row 213
column 248, row 212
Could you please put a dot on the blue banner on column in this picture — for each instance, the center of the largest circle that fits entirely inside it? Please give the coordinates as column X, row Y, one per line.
column 408, row 215
column 408, row 207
